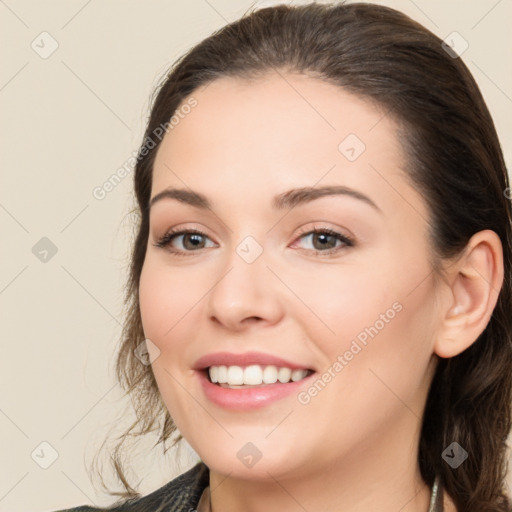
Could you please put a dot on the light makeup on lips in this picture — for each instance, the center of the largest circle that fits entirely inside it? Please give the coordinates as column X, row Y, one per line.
column 249, row 380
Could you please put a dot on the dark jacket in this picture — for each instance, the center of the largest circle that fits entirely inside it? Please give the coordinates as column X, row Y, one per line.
column 179, row 495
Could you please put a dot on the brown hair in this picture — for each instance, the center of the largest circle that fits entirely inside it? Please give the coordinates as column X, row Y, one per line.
column 455, row 161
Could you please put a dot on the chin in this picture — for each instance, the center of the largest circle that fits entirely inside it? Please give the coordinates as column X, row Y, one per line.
column 250, row 461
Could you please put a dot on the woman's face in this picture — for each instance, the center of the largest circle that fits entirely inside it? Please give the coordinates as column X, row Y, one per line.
column 355, row 304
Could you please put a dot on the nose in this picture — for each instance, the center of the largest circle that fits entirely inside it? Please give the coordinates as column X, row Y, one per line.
column 246, row 293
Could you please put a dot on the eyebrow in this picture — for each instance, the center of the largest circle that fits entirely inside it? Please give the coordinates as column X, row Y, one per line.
column 288, row 199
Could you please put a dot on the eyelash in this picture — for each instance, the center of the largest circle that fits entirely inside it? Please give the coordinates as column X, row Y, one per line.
column 165, row 240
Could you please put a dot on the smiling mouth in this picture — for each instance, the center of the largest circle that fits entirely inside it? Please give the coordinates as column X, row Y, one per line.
column 238, row 377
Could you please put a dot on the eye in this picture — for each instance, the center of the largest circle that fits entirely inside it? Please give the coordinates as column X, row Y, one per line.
column 189, row 239
column 326, row 241
column 323, row 241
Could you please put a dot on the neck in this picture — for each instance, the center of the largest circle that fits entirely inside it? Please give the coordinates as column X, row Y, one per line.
column 383, row 475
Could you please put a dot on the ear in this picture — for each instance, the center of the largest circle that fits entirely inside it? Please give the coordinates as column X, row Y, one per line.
column 474, row 282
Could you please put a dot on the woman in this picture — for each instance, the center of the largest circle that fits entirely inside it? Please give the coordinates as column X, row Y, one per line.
column 322, row 271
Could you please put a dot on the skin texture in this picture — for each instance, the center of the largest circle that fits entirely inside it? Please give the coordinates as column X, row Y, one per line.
column 354, row 445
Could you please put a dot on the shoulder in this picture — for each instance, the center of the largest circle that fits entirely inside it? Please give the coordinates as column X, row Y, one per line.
column 179, row 495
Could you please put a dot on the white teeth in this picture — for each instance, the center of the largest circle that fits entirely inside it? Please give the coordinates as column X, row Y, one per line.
column 270, row 375
column 254, row 375
column 298, row 375
column 222, row 374
column 235, row 375
column 284, row 374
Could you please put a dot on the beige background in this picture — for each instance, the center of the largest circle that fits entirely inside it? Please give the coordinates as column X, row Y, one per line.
column 69, row 122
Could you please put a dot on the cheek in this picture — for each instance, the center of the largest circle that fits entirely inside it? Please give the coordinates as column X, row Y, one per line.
column 166, row 298
column 339, row 301
column 381, row 310
column 395, row 336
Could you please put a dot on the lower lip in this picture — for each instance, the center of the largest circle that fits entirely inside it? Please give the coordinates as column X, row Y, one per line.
column 245, row 399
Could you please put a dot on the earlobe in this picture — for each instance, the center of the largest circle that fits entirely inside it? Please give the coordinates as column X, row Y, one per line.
column 474, row 281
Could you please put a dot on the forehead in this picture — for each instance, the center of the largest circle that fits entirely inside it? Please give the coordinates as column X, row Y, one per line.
column 280, row 130
column 278, row 114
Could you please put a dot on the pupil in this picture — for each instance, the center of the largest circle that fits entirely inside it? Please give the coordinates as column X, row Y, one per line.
column 194, row 239
column 323, row 238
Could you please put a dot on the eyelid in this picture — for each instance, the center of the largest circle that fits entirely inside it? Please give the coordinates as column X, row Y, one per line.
column 347, row 240
column 164, row 241
column 324, row 226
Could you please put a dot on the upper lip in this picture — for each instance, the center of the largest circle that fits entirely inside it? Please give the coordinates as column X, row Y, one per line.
column 245, row 359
